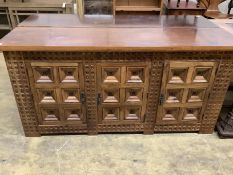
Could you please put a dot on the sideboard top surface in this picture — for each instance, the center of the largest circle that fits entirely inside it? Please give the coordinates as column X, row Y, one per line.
column 45, row 34
column 70, row 20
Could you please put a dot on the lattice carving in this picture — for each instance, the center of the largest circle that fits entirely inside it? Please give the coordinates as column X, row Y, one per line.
column 153, row 93
column 217, row 95
column 17, row 71
column 90, row 83
column 23, row 95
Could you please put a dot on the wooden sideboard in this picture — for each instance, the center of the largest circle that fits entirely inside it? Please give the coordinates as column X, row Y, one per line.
column 125, row 74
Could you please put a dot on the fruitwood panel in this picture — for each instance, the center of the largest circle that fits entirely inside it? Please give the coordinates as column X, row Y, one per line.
column 58, row 90
column 122, row 92
column 185, row 90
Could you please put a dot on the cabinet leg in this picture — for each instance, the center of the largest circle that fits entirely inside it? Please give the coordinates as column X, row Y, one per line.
column 148, row 132
column 32, row 135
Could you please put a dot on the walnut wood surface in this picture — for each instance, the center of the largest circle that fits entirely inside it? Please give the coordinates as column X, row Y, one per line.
column 120, row 38
column 69, row 20
column 179, row 86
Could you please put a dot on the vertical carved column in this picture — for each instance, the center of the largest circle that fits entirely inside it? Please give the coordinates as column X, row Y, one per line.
column 23, row 95
column 153, row 96
column 217, row 95
column 90, row 84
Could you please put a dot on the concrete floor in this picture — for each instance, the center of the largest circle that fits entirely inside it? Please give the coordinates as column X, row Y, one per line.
column 162, row 154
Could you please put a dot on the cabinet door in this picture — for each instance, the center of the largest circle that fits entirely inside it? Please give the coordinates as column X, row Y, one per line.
column 58, row 92
column 122, row 92
column 185, row 90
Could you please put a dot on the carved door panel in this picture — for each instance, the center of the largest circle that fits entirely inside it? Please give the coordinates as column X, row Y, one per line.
column 122, row 92
column 58, row 92
column 185, row 90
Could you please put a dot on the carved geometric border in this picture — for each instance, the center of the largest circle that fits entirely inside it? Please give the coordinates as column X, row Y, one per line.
column 17, row 71
column 23, row 95
column 153, row 94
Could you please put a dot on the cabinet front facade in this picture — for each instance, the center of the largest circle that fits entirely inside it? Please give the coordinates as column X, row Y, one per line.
column 60, row 93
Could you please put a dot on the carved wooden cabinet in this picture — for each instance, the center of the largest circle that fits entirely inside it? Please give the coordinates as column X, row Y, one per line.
column 117, row 79
column 185, row 90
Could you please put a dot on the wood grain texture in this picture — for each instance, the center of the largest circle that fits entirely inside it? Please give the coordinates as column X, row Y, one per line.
column 180, row 37
column 90, row 60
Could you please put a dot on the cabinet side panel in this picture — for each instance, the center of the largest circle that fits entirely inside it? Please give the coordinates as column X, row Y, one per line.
column 23, row 95
column 217, row 95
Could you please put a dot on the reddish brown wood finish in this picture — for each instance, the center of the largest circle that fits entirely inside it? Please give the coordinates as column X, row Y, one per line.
column 95, row 78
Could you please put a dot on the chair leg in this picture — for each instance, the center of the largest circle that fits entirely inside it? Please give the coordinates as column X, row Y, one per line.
column 178, row 3
column 230, row 6
column 198, row 3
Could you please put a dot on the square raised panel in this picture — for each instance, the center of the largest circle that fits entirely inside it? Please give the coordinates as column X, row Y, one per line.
column 133, row 95
column 68, row 74
column 170, row 114
column 47, row 96
column 202, row 74
column 174, row 95
column 177, row 75
column 43, row 74
column 111, row 113
column 50, row 114
column 111, row 74
column 111, row 96
column 73, row 114
column 132, row 113
column 191, row 114
column 70, row 95
column 135, row 75
column 196, row 95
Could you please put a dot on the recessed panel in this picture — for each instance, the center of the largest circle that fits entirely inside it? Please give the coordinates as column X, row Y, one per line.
column 111, row 113
column 170, row 114
column 43, row 74
column 73, row 114
column 68, row 74
column 135, row 75
column 50, row 114
column 47, row 96
column 196, row 95
column 70, row 95
column 133, row 95
column 191, row 114
column 174, row 95
column 111, row 96
column 177, row 75
column 132, row 113
column 202, row 74
column 111, row 74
